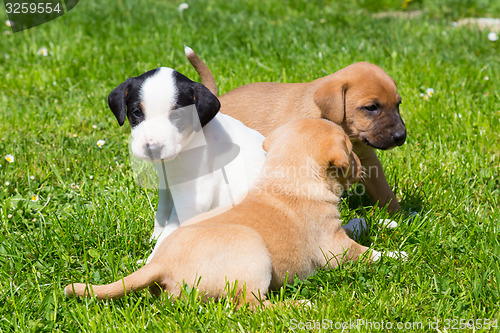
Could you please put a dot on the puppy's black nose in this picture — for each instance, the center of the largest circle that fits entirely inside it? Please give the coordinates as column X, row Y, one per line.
column 399, row 137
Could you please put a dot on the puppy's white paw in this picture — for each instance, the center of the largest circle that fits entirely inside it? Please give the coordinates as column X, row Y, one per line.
column 401, row 255
column 376, row 255
column 388, row 223
column 397, row 255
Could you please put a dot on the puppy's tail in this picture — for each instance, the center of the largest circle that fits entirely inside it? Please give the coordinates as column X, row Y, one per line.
column 138, row 280
column 205, row 74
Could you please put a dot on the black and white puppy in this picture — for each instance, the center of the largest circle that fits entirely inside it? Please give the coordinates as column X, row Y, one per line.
column 204, row 159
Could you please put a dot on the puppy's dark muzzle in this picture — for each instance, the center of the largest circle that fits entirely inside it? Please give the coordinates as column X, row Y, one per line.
column 391, row 138
column 399, row 137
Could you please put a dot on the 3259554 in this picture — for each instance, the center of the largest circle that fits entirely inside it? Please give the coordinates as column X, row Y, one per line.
column 32, row 8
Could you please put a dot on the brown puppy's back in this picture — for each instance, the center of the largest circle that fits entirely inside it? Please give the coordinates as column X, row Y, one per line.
column 263, row 99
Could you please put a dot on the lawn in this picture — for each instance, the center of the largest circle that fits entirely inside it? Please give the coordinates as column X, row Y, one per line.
column 70, row 210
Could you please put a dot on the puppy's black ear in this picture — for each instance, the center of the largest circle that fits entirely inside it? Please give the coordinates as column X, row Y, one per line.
column 207, row 105
column 330, row 99
column 117, row 101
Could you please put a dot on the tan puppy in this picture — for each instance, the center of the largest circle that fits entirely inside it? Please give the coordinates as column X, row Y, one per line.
column 361, row 98
column 287, row 225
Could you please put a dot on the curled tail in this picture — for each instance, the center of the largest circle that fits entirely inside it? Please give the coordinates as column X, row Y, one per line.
column 205, row 74
column 138, row 280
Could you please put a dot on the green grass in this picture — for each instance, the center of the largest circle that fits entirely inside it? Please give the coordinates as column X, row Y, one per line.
column 53, row 111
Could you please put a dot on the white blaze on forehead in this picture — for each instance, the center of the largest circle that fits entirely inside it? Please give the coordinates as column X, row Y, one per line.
column 159, row 93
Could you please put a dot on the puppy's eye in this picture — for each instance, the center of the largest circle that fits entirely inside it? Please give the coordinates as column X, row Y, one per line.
column 371, row 107
column 137, row 113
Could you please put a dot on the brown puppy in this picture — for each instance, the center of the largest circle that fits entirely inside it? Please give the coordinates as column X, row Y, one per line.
column 287, row 225
column 361, row 98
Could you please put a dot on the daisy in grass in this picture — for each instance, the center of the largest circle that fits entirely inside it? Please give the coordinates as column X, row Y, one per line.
column 34, row 198
column 43, row 52
column 492, row 36
column 9, row 158
column 428, row 93
column 182, row 7
column 100, row 143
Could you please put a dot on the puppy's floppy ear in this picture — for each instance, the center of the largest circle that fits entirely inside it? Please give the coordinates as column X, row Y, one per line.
column 207, row 105
column 335, row 153
column 117, row 101
column 339, row 159
column 330, row 99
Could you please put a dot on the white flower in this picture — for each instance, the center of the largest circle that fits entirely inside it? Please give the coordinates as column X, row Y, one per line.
column 182, row 7
column 9, row 158
column 74, row 186
column 94, row 126
column 32, row 177
column 43, row 52
column 492, row 36
column 34, row 198
column 100, row 143
column 7, row 183
column 486, row 78
column 9, row 23
column 91, row 177
column 9, row 216
column 320, row 55
column 430, row 92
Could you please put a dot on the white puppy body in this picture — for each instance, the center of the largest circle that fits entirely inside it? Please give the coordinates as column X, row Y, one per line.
column 204, row 159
